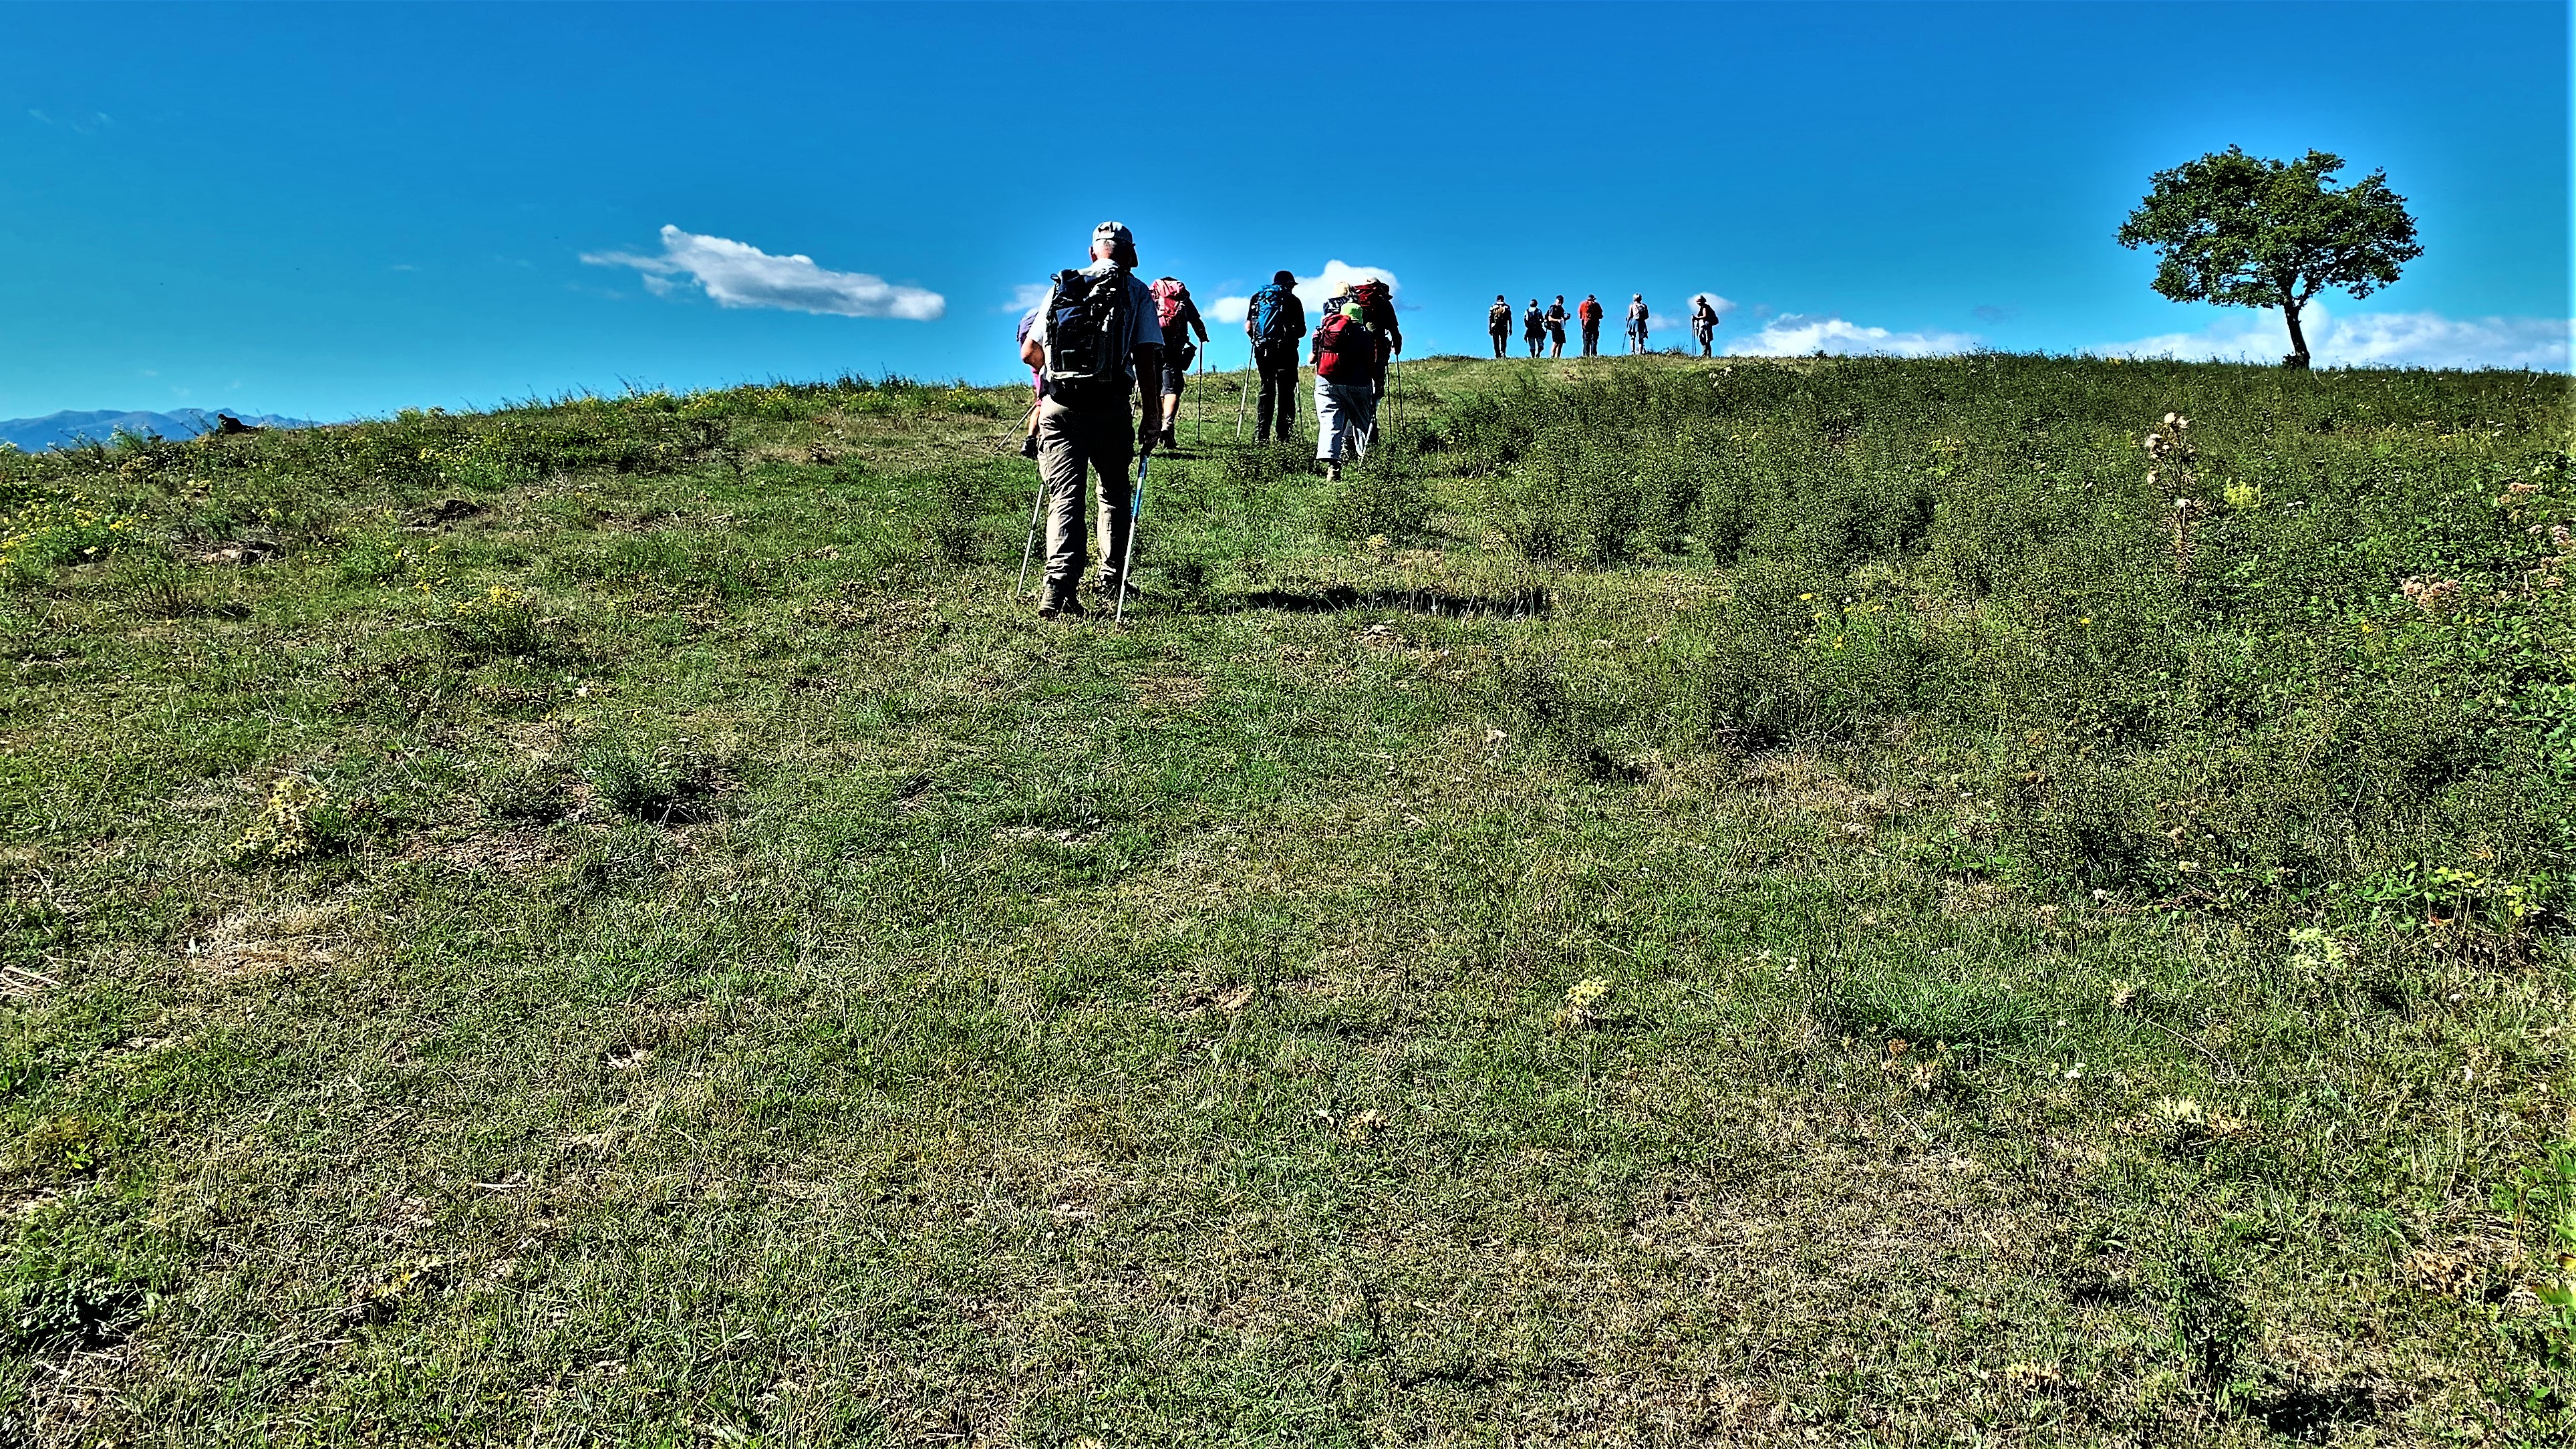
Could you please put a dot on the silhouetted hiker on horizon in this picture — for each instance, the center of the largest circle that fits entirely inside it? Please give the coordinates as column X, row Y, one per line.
column 1099, row 343
column 1534, row 327
column 1588, row 312
column 1703, row 323
column 1498, row 321
column 1274, row 323
column 1556, row 326
column 1636, row 322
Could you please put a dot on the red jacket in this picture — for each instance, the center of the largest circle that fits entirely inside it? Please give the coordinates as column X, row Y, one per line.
column 1589, row 311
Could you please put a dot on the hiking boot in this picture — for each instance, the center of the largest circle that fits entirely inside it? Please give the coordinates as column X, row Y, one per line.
column 1171, row 439
column 1109, row 590
column 1332, row 470
column 1066, row 605
column 1029, row 446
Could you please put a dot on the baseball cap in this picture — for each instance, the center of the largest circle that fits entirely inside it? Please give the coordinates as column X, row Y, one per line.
column 1114, row 231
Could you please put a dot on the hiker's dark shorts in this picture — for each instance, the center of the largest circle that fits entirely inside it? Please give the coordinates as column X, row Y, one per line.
column 1556, row 333
column 1172, row 379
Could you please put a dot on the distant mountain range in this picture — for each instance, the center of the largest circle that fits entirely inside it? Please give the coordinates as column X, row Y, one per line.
column 69, row 429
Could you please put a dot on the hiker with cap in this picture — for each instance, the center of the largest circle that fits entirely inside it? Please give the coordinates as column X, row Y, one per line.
column 1176, row 314
column 1099, row 342
column 1274, row 322
column 1352, row 347
column 1703, row 322
column 1589, row 313
column 1534, row 327
column 1636, row 322
column 1556, row 326
column 1498, row 321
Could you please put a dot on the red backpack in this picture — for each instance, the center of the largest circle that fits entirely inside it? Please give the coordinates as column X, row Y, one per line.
column 1345, row 351
column 1376, row 303
column 1169, row 294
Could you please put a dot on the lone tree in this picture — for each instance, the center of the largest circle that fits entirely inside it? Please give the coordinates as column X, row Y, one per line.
column 2242, row 231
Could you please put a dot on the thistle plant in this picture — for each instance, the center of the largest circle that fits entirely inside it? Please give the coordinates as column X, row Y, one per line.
column 2171, row 461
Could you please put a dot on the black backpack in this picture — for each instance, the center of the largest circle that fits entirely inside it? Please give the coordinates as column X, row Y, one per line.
column 1089, row 319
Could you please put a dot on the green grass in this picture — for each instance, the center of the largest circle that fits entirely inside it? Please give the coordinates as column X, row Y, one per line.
column 605, row 922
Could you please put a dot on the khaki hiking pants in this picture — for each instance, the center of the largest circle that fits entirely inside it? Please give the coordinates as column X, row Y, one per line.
column 1072, row 441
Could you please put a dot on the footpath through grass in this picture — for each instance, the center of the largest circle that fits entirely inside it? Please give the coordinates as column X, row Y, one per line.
column 1755, row 902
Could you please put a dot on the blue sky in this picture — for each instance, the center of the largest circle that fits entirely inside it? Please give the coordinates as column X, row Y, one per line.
column 341, row 210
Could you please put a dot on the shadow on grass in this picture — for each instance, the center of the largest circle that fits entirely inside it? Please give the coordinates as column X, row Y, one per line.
column 1533, row 603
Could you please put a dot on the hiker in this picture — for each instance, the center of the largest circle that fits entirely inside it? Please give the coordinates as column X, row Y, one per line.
column 1377, row 302
column 1556, row 327
column 1098, row 340
column 1534, row 327
column 1703, row 322
column 1498, row 321
column 1352, row 346
column 1636, row 322
column 1037, row 386
column 1274, row 322
column 1589, row 313
column 1176, row 314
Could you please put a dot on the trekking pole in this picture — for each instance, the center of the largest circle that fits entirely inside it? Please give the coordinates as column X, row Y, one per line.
column 1243, row 397
column 1029, row 551
column 1135, row 511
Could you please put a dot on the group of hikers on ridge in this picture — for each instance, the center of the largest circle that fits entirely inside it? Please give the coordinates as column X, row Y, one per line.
column 1545, row 327
column 1105, row 338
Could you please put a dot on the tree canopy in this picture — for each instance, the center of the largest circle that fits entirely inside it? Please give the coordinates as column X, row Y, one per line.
column 2244, row 231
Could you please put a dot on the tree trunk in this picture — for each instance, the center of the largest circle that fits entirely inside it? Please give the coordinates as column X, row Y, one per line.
column 2298, row 357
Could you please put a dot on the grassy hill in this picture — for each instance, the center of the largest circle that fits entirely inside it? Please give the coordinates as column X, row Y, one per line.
column 1682, row 902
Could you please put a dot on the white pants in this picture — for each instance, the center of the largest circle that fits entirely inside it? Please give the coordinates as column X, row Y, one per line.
column 1346, row 418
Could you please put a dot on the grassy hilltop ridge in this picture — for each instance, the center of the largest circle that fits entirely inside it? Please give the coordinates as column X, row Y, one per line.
column 1681, row 902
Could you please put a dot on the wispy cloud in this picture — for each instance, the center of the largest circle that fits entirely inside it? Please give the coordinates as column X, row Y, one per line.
column 2368, row 339
column 1792, row 334
column 89, row 125
column 1029, row 295
column 1314, row 291
column 737, row 274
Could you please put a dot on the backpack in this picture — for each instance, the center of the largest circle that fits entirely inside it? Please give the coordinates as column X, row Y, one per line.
column 1345, row 349
column 1169, row 294
column 1375, row 303
column 1087, row 330
column 1499, row 316
column 1270, row 313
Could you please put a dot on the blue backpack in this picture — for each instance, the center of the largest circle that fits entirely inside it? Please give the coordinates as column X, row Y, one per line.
column 1270, row 313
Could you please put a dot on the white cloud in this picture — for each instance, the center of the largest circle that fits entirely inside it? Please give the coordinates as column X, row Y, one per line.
column 2367, row 339
column 1029, row 295
column 1792, row 334
column 737, row 274
column 1314, row 291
